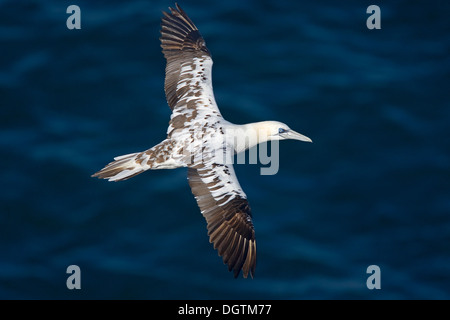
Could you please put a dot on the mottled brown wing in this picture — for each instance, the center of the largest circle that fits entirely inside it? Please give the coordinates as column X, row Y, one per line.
column 227, row 213
column 183, row 46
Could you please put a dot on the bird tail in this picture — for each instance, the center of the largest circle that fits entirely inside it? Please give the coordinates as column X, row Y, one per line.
column 129, row 165
column 122, row 168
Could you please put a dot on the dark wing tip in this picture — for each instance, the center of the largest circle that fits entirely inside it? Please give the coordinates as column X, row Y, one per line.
column 234, row 240
column 230, row 227
column 243, row 255
column 179, row 33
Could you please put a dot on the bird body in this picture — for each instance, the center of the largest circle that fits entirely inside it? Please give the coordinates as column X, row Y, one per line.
column 199, row 138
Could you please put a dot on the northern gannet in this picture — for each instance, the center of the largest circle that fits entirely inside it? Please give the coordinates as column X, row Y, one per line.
column 197, row 138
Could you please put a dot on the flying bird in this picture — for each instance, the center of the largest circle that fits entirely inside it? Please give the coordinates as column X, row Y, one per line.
column 198, row 137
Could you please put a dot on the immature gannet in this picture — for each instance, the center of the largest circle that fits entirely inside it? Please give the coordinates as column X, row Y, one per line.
column 197, row 134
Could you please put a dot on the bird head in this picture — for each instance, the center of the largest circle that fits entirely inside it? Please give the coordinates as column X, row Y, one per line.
column 280, row 131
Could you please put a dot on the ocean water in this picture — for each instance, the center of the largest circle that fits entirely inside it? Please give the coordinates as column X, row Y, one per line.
column 373, row 188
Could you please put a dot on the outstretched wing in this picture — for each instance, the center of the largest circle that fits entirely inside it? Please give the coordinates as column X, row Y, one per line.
column 226, row 210
column 188, row 85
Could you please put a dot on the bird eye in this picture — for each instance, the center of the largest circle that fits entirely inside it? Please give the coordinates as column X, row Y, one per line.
column 281, row 130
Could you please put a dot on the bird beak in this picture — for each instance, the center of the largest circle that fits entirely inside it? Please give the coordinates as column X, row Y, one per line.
column 291, row 134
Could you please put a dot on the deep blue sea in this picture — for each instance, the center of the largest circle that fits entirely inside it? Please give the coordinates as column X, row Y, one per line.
column 373, row 188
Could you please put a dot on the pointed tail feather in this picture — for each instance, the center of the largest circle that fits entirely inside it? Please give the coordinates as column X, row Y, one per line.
column 124, row 167
column 129, row 165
